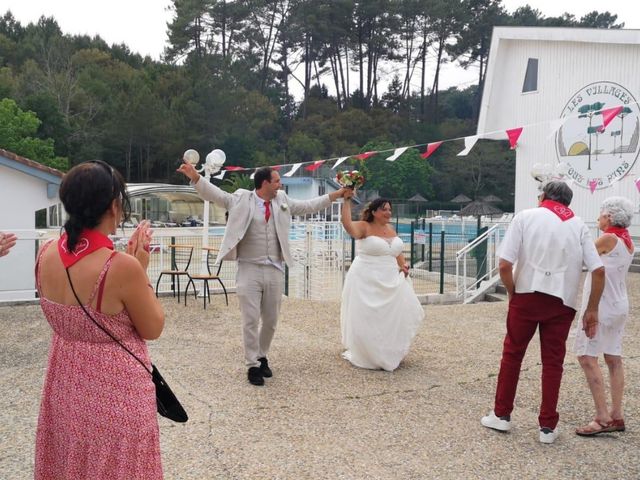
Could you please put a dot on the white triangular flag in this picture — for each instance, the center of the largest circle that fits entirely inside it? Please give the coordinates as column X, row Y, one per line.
column 338, row 162
column 252, row 175
column 396, row 153
column 555, row 125
column 469, row 143
column 293, row 170
column 220, row 175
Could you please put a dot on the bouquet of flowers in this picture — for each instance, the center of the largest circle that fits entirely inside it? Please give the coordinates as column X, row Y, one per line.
column 350, row 179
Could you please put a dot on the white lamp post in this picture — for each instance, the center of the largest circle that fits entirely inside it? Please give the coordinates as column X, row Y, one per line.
column 214, row 161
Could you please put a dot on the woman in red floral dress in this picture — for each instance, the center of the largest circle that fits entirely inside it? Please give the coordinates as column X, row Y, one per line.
column 98, row 413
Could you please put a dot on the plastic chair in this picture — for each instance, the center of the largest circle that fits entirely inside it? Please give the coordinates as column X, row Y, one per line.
column 180, row 260
column 205, row 277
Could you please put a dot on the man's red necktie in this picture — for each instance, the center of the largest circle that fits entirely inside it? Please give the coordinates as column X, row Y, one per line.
column 267, row 211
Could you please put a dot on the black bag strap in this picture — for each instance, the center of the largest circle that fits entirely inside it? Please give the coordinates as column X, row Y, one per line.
column 104, row 329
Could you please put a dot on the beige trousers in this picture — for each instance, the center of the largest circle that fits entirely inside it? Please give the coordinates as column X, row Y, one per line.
column 259, row 289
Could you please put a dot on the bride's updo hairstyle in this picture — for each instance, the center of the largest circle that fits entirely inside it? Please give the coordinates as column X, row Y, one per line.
column 378, row 203
column 86, row 192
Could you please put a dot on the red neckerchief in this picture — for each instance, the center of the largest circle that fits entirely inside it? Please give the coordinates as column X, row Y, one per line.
column 622, row 233
column 89, row 242
column 563, row 212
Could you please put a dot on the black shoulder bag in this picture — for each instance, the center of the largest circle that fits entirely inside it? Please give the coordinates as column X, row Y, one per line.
column 167, row 403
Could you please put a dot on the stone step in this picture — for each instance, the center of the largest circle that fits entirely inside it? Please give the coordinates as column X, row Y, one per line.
column 496, row 297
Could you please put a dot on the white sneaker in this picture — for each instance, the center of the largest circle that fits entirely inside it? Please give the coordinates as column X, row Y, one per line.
column 502, row 424
column 547, row 435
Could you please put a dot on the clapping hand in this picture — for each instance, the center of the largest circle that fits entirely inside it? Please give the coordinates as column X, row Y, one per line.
column 7, row 241
column 139, row 242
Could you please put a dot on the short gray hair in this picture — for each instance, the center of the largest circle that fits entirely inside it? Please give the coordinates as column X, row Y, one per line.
column 619, row 209
column 558, row 192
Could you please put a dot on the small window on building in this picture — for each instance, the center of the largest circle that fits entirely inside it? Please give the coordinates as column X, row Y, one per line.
column 531, row 77
column 322, row 189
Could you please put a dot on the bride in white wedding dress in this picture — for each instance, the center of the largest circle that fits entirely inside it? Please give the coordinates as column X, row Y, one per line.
column 380, row 313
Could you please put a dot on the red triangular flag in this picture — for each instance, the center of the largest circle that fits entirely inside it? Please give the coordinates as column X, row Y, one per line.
column 431, row 147
column 276, row 167
column 608, row 115
column 364, row 156
column 514, row 135
column 233, row 169
column 314, row 166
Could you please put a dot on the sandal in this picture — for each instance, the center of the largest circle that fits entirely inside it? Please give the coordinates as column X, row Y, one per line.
column 596, row 428
column 617, row 424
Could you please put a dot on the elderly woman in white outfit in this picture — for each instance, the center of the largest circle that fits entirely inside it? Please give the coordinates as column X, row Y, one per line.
column 616, row 250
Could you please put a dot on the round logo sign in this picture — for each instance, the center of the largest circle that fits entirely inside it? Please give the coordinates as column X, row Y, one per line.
column 599, row 141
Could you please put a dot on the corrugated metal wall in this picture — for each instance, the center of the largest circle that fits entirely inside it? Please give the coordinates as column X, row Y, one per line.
column 564, row 69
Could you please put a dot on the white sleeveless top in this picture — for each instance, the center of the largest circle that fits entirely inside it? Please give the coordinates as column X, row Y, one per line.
column 614, row 304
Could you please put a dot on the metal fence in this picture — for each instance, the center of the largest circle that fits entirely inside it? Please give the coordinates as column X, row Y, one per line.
column 322, row 252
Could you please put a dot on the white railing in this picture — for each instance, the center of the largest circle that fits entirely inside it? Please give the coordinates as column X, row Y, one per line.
column 468, row 288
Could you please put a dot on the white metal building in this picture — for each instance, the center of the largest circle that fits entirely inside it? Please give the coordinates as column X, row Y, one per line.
column 25, row 187
column 556, row 83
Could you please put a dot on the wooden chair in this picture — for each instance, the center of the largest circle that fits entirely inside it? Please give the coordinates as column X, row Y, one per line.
column 205, row 277
column 180, row 260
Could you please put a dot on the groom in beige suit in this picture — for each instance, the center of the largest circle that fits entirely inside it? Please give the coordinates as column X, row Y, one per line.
column 257, row 236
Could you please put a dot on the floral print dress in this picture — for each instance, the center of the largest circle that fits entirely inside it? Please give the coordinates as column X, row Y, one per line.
column 98, row 412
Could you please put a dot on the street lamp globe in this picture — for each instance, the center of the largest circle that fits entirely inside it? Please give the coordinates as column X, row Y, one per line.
column 191, row 156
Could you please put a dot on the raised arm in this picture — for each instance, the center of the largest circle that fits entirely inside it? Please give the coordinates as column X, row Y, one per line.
column 355, row 229
column 206, row 190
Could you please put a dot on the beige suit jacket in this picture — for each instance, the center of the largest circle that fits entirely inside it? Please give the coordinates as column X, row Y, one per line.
column 241, row 205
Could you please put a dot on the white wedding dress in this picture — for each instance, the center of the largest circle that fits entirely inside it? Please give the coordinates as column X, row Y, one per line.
column 380, row 313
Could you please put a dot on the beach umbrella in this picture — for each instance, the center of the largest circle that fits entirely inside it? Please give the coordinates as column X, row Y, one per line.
column 417, row 199
column 491, row 199
column 479, row 208
column 461, row 198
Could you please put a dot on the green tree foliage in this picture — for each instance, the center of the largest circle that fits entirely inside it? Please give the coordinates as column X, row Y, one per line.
column 369, row 72
column 236, row 181
column 17, row 134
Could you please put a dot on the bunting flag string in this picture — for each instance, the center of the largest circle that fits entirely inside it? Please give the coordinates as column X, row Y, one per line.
column 608, row 115
column 338, row 162
column 469, row 143
column 511, row 134
column 514, row 135
column 293, row 170
column 365, row 155
column 314, row 166
column 396, row 153
column 431, row 147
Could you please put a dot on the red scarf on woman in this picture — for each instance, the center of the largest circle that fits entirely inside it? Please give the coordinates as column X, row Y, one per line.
column 622, row 233
column 89, row 242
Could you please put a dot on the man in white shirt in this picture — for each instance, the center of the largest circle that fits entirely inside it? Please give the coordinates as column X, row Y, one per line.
column 548, row 246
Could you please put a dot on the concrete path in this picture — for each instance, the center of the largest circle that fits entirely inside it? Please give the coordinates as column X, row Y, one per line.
column 321, row 418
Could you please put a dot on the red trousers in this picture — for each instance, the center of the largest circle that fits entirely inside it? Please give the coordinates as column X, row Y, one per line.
column 528, row 311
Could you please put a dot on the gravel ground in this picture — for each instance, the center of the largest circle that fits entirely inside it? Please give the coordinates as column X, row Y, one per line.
column 321, row 418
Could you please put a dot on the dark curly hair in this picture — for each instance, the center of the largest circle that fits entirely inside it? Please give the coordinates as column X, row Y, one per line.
column 86, row 192
column 262, row 174
column 377, row 204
